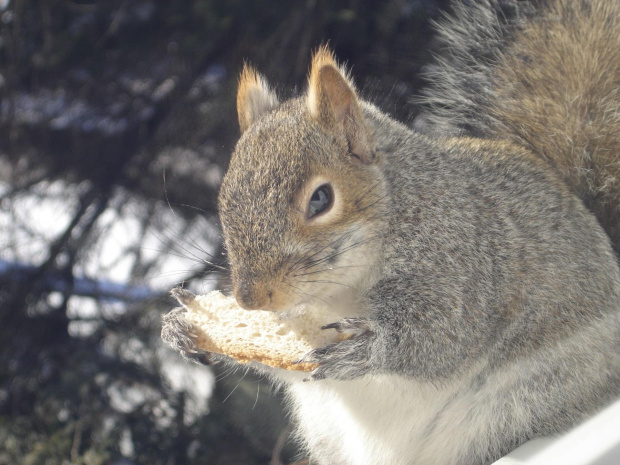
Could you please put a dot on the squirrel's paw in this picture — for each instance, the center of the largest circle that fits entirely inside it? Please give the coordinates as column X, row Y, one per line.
column 179, row 333
column 347, row 359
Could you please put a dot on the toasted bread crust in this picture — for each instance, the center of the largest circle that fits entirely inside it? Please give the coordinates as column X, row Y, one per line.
column 222, row 327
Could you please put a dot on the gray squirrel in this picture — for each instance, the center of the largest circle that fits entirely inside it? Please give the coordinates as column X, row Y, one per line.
column 480, row 291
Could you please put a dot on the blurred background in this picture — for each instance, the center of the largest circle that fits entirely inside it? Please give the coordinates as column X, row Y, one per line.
column 117, row 119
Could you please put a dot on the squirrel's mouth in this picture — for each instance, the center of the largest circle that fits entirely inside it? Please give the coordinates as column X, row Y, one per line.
column 265, row 295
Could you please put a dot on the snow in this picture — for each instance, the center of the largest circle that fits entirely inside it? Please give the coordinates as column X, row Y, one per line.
column 129, row 235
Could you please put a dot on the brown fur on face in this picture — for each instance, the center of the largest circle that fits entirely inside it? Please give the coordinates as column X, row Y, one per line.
column 277, row 254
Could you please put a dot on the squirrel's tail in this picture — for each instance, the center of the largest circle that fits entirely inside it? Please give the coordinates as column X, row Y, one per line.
column 546, row 77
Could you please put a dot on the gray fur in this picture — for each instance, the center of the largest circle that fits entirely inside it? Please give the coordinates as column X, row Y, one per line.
column 466, row 270
column 462, row 79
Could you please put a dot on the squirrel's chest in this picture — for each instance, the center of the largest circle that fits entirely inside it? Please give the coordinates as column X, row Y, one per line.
column 380, row 420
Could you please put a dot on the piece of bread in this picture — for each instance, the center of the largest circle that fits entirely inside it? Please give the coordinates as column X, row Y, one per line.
column 270, row 338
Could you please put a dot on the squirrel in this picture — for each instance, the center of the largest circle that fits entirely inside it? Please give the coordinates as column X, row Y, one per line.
column 474, row 267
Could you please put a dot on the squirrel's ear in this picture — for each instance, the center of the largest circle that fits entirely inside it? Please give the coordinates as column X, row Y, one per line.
column 333, row 102
column 254, row 97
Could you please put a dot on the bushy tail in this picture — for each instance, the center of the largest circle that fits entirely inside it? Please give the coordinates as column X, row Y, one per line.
column 546, row 77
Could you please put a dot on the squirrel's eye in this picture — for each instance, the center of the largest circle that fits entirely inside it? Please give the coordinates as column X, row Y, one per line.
column 321, row 200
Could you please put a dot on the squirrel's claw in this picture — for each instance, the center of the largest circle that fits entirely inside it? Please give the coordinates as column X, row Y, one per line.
column 350, row 326
column 314, row 376
column 179, row 334
column 317, row 355
column 347, row 359
column 183, row 296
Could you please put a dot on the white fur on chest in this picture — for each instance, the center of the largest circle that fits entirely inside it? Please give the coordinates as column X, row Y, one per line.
column 380, row 420
column 393, row 420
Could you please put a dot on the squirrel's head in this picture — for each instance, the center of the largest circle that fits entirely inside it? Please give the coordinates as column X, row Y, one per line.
column 301, row 205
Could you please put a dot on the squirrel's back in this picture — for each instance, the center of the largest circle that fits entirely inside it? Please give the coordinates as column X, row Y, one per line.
column 545, row 75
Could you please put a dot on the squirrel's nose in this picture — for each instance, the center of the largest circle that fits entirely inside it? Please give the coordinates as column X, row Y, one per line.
column 252, row 296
